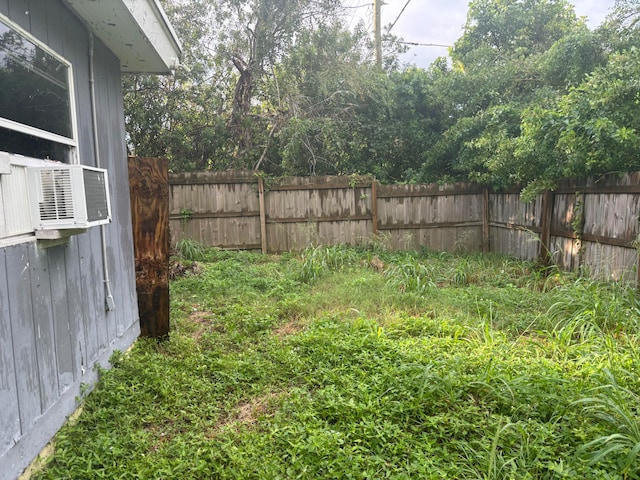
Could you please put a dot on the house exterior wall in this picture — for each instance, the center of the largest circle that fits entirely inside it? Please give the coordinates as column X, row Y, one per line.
column 54, row 327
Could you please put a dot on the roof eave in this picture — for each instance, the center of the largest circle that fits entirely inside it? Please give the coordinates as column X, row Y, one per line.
column 138, row 32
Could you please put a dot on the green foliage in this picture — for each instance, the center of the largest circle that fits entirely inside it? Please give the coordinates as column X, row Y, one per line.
column 539, row 97
column 190, row 249
column 176, row 116
column 497, row 29
column 320, row 260
column 511, row 56
column 617, row 408
column 586, row 306
column 264, row 376
column 412, row 276
column 571, row 58
column 591, row 130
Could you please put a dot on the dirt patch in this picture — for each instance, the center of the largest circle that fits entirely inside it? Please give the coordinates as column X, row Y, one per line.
column 289, row 328
column 248, row 413
column 202, row 320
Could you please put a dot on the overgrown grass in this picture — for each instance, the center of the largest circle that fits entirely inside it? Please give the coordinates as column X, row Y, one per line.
column 357, row 362
column 190, row 249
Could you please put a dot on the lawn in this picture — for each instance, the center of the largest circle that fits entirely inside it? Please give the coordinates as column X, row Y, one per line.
column 358, row 362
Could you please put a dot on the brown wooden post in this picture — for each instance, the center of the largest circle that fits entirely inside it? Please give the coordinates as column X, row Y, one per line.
column 263, row 215
column 149, row 191
column 486, row 219
column 374, row 207
column 544, row 255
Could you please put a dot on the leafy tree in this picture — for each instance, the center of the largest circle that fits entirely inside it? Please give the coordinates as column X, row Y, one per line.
column 498, row 30
column 255, row 35
column 178, row 116
column 512, row 55
column 620, row 29
column 571, row 58
column 313, row 94
column 233, row 95
column 594, row 129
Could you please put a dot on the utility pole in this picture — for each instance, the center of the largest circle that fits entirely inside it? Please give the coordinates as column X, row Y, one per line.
column 377, row 8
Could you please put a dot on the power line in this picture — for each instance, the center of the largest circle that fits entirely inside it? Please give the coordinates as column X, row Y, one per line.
column 399, row 15
column 416, row 44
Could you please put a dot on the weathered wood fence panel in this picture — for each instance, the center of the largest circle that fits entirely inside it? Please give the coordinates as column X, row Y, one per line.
column 217, row 209
column 438, row 217
column 515, row 226
column 595, row 225
column 317, row 210
column 586, row 224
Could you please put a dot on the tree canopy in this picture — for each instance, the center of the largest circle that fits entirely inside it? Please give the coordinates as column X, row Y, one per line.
column 527, row 95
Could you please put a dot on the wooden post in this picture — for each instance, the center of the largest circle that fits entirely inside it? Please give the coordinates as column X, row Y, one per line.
column 149, row 192
column 544, row 255
column 374, row 207
column 263, row 215
column 486, row 219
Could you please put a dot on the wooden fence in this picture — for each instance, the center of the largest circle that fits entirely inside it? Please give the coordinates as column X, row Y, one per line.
column 585, row 223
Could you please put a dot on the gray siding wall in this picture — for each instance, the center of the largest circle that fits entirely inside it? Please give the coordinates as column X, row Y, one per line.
column 54, row 326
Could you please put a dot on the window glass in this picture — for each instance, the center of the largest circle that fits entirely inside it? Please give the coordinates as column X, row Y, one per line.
column 34, row 85
column 30, row 146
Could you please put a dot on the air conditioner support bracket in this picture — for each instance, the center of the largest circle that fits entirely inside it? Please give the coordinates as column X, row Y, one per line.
column 58, row 234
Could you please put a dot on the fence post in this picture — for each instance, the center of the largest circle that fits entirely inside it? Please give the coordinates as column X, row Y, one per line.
column 149, row 193
column 486, row 219
column 374, row 207
column 544, row 255
column 263, row 216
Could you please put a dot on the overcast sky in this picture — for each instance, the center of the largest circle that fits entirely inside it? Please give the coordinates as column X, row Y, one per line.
column 441, row 22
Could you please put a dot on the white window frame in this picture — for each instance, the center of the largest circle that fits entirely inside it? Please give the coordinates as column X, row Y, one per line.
column 37, row 132
column 19, row 163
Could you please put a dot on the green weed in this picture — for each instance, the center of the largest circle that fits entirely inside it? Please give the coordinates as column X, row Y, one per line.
column 317, row 261
column 587, row 306
column 617, row 408
column 190, row 249
column 412, row 276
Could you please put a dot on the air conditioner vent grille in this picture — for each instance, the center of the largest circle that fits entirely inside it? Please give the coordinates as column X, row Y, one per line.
column 57, row 195
column 68, row 197
column 95, row 195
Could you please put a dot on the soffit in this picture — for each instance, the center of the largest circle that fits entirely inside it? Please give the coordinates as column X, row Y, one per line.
column 136, row 31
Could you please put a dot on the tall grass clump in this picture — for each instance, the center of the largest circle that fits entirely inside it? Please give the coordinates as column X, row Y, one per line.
column 587, row 305
column 319, row 260
column 190, row 249
column 411, row 275
column 618, row 409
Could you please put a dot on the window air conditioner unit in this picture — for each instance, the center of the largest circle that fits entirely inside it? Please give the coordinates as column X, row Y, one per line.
column 68, row 197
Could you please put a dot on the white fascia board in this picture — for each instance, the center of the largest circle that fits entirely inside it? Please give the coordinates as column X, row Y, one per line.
column 136, row 31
